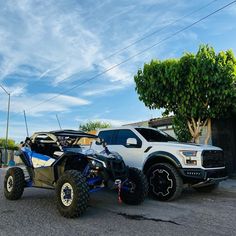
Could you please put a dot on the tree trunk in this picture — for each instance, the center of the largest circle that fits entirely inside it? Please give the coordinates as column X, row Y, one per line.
column 195, row 129
column 208, row 136
column 197, row 140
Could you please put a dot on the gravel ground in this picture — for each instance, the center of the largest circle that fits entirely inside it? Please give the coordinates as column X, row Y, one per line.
column 193, row 214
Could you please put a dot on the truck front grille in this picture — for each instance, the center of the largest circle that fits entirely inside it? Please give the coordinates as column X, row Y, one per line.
column 212, row 159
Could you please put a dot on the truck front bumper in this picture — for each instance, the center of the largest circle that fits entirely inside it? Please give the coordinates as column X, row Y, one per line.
column 203, row 177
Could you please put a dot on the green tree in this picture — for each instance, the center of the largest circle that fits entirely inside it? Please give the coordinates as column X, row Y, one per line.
column 198, row 87
column 181, row 128
column 94, row 125
column 11, row 144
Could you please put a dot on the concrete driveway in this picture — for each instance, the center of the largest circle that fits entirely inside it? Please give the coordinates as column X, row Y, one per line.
column 192, row 214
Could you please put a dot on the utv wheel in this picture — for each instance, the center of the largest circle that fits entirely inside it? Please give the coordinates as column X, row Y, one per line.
column 14, row 183
column 135, row 189
column 72, row 194
column 208, row 188
column 165, row 183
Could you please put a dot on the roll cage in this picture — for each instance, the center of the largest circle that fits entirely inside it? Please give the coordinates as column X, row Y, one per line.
column 48, row 142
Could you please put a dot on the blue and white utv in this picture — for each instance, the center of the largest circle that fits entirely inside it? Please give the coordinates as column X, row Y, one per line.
column 55, row 160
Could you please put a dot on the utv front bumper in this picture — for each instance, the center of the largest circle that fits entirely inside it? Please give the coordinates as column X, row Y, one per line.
column 202, row 177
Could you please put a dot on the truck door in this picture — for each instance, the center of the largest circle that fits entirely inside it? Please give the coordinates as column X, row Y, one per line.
column 117, row 142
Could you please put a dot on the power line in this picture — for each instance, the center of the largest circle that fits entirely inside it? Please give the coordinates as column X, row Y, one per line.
column 58, row 121
column 26, row 125
column 135, row 55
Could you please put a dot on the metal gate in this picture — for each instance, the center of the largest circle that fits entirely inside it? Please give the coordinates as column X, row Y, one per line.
column 224, row 136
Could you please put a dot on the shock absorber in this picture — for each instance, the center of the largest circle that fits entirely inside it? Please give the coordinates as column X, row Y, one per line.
column 118, row 184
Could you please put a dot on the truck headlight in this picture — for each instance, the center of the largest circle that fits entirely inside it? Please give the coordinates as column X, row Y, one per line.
column 189, row 157
column 189, row 153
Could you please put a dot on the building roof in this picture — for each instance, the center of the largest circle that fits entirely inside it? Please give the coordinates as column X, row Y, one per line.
column 140, row 123
column 157, row 122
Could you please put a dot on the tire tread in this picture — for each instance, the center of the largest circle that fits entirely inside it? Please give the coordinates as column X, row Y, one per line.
column 18, row 183
column 81, row 190
column 143, row 188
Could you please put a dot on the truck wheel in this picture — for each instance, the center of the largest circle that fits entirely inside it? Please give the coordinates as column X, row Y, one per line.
column 208, row 188
column 14, row 183
column 135, row 189
column 72, row 194
column 165, row 183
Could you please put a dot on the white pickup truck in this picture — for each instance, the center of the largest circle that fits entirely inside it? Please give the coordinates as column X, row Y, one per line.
column 167, row 163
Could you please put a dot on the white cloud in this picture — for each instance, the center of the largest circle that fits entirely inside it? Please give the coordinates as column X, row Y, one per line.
column 117, row 73
column 34, row 108
column 49, row 38
column 188, row 35
column 102, row 91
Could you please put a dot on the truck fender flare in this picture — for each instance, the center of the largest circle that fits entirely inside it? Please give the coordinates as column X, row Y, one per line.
column 165, row 155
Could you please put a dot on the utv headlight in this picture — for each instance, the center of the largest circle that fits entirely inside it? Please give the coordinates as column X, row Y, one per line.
column 189, row 157
column 97, row 164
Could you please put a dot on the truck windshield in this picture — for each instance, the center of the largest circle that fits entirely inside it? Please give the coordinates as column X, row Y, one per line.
column 152, row 135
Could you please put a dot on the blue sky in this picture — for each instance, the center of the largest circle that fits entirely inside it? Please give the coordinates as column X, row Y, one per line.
column 47, row 47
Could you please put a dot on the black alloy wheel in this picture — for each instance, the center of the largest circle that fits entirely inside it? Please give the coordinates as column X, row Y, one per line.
column 165, row 183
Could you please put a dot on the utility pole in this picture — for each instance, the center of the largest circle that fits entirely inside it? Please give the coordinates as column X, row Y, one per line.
column 26, row 125
column 58, row 121
column 8, row 117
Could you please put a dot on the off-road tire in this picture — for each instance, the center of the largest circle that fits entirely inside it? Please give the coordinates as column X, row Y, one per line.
column 80, row 197
column 14, row 183
column 140, row 191
column 165, row 182
column 207, row 189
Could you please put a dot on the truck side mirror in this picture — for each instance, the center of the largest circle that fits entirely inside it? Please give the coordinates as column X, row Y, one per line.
column 99, row 141
column 131, row 142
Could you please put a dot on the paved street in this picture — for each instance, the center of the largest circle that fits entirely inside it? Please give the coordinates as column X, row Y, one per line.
column 193, row 214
